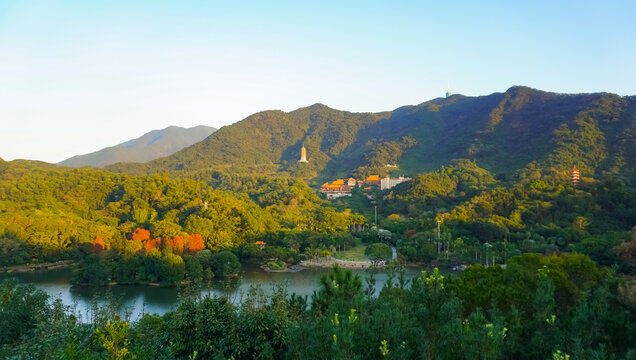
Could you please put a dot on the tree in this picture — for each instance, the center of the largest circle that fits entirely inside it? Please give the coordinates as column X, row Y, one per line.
column 172, row 269
column 98, row 245
column 627, row 250
column 140, row 234
column 195, row 244
column 22, row 307
column 94, row 271
column 193, row 268
column 339, row 288
column 177, row 244
column 225, row 263
column 580, row 223
column 13, row 252
column 166, row 229
column 205, row 258
column 378, row 251
column 114, row 338
column 150, row 245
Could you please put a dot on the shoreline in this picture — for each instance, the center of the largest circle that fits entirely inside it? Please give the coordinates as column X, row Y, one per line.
column 38, row 267
column 341, row 263
column 291, row 269
column 115, row 283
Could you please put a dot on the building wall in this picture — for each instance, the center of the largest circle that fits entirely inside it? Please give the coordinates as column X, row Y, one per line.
column 335, row 195
column 388, row 183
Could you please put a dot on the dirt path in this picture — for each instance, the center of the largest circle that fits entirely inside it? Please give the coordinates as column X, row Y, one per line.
column 331, row 261
column 38, row 267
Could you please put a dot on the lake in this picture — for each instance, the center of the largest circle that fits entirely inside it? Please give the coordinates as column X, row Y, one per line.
column 137, row 300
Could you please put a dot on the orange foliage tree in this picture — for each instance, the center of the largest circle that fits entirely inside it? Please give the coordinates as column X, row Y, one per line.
column 99, row 245
column 152, row 244
column 177, row 244
column 141, row 234
column 195, row 244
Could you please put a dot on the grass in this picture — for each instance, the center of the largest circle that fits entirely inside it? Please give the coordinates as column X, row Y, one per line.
column 354, row 254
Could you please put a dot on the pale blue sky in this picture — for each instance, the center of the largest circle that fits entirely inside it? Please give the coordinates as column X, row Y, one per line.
column 77, row 76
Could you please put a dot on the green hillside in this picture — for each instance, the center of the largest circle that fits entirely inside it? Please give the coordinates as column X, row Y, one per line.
column 49, row 212
column 505, row 132
column 150, row 146
column 501, row 132
column 269, row 141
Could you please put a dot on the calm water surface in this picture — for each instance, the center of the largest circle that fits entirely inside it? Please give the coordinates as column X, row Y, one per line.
column 137, row 300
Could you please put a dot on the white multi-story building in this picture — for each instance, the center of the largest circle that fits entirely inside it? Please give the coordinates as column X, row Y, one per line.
column 388, row 183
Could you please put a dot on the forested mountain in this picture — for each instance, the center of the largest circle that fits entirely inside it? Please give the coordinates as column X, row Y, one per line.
column 501, row 132
column 150, row 146
column 269, row 141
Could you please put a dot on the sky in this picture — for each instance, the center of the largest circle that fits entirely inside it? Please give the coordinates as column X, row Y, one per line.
column 78, row 76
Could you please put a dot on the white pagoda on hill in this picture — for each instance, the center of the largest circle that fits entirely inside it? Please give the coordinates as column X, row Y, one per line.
column 303, row 155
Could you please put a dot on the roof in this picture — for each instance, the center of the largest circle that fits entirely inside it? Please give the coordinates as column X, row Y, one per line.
column 373, row 178
column 338, row 182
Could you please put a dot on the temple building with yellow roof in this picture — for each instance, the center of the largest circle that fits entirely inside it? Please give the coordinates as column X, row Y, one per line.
column 342, row 187
column 336, row 189
column 372, row 180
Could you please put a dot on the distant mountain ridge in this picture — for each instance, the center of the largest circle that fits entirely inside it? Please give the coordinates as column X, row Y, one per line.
column 501, row 132
column 150, row 146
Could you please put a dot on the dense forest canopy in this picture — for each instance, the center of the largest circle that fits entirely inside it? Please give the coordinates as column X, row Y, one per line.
column 462, row 212
column 47, row 212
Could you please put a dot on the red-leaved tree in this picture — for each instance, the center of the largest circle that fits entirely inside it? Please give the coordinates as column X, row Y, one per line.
column 195, row 243
column 140, row 234
column 99, row 245
column 152, row 244
column 177, row 244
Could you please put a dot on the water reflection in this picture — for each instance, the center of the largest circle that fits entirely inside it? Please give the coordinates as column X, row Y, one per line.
column 137, row 300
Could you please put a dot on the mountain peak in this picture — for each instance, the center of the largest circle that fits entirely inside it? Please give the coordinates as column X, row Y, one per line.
column 150, row 146
column 316, row 107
